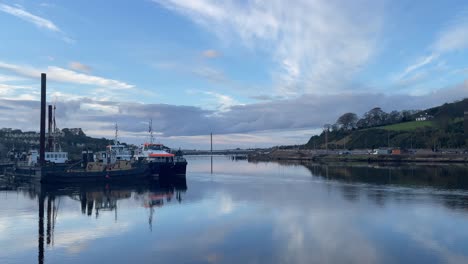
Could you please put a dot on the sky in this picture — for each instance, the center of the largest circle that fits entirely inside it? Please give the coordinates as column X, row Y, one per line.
column 254, row 73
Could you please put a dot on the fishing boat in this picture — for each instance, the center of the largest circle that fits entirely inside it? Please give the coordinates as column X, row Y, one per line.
column 161, row 161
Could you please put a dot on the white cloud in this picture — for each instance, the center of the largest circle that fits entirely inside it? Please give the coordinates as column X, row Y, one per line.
column 223, row 102
column 7, row 78
column 210, row 74
column 99, row 108
column 77, row 66
column 454, row 37
column 25, row 15
column 63, row 75
column 315, row 43
column 419, row 64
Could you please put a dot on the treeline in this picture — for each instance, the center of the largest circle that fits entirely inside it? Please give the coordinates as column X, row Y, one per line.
column 444, row 130
column 373, row 118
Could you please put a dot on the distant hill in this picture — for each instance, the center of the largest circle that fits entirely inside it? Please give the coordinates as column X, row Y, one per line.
column 439, row 127
column 451, row 110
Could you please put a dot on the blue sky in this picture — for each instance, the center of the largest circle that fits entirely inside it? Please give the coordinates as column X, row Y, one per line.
column 256, row 73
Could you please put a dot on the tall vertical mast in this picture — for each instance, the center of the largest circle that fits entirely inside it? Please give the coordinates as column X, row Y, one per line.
column 150, row 130
column 49, row 136
column 116, row 134
column 43, row 119
column 54, row 134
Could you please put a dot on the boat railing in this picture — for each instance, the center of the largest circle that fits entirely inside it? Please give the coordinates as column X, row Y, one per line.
column 74, row 164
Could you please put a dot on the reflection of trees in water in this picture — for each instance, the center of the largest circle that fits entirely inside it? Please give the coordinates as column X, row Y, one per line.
column 445, row 177
column 437, row 176
column 350, row 192
column 447, row 183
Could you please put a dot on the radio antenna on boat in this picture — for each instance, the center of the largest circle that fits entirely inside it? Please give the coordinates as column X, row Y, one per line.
column 150, row 130
column 116, row 134
column 54, row 134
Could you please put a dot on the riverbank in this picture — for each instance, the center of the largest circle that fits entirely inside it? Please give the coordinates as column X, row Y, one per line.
column 308, row 155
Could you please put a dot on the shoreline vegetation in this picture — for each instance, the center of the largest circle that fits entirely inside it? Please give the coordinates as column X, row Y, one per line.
column 333, row 156
column 434, row 135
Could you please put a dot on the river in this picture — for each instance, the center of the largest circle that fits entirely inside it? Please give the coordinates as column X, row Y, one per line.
column 232, row 211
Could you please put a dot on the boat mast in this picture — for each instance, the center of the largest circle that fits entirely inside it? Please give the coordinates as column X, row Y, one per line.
column 54, row 133
column 150, row 130
column 116, row 134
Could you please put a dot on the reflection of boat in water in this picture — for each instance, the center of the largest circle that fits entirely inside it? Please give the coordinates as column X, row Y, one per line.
column 94, row 199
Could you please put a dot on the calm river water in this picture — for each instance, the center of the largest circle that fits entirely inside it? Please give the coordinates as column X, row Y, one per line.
column 245, row 213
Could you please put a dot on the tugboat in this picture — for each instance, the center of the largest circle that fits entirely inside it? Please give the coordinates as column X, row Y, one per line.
column 161, row 162
column 103, row 166
column 115, row 163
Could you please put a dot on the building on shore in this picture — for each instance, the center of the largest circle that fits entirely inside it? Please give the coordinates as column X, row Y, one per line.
column 424, row 117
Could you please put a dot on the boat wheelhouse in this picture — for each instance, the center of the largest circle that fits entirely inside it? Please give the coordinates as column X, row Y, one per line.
column 153, row 152
column 119, row 152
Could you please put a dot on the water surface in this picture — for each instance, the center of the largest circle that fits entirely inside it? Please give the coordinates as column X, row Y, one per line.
column 240, row 212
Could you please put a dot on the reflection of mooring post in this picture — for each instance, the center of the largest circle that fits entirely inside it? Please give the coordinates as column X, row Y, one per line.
column 49, row 212
column 40, row 255
column 211, row 151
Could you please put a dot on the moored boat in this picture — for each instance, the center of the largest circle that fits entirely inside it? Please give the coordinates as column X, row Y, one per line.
column 162, row 163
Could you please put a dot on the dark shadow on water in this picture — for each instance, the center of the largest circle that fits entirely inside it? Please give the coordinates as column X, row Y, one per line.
column 439, row 176
column 447, row 183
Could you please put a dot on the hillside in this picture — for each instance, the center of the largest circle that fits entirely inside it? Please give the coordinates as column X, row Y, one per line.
column 70, row 140
column 444, row 128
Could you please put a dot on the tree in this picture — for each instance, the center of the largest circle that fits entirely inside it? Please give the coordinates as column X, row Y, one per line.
column 375, row 117
column 394, row 117
column 347, row 121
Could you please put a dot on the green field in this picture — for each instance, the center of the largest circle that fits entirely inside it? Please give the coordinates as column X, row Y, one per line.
column 408, row 126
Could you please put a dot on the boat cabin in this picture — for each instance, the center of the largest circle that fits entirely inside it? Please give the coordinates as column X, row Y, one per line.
column 120, row 152
column 155, row 153
column 57, row 157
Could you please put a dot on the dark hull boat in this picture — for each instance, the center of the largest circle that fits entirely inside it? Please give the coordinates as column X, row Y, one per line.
column 33, row 172
column 62, row 173
column 136, row 172
column 167, row 169
column 161, row 162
